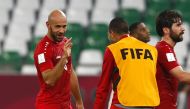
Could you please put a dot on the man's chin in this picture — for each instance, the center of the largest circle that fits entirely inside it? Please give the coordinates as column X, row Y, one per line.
column 59, row 40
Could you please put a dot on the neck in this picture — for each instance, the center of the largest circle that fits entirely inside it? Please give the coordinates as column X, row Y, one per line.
column 49, row 36
column 123, row 36
column 168, row 40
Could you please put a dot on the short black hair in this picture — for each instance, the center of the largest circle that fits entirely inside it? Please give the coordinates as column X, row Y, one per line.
column 165, row 19
column 119, row 26
column 133, row 27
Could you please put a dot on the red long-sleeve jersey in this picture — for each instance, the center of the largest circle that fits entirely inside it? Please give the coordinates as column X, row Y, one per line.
column 108, row 80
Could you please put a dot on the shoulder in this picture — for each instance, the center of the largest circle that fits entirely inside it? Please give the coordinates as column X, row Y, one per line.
column 43, row 46
column 115, row 45
column 107, row 52
column 111, row 47
column 163, row 48
column 108, row 56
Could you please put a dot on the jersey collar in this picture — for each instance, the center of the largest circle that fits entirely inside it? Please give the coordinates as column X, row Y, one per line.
column 165, row 43
column 50, row 40
column 124, row 36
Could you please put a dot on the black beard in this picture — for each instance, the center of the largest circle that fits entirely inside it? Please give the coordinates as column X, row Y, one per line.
column 176, row 38
column 54, row 36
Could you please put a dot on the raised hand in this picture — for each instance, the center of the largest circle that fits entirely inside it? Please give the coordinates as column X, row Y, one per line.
column 79, row 106
column 67, row 48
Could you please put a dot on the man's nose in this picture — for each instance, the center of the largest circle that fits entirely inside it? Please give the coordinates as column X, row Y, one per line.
column 62, row 30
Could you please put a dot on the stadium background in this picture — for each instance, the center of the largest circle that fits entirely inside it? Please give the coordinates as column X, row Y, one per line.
column 22, row 24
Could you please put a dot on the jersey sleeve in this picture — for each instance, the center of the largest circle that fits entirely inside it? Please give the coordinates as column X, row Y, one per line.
column 43, row 59
column 104, row 84
column 167, row 58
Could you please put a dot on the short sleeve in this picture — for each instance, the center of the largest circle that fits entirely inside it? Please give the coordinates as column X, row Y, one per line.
column 167, row 58
column 43, row 60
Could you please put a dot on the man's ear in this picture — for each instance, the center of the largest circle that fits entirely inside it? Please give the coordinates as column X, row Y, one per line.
column 166, row 30
column 47, row 24
column 113, row 34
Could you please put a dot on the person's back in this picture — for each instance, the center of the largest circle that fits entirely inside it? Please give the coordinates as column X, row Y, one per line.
column 139, row 31
column 137, row 81
column 130, row 65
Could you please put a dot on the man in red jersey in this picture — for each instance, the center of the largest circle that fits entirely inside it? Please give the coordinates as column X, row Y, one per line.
column 170, row 27
column 114, row 74
column 52, row 58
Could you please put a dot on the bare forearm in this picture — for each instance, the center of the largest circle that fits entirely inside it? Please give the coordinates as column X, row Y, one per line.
column 180, row 74
column 51, row 76
column 75, row 88
column 185, row 77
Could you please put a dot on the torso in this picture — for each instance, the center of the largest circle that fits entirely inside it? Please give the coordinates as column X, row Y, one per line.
column 59, row 93
column 167, row 84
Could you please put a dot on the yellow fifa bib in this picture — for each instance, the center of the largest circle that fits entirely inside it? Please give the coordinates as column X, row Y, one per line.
column 136, row 62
